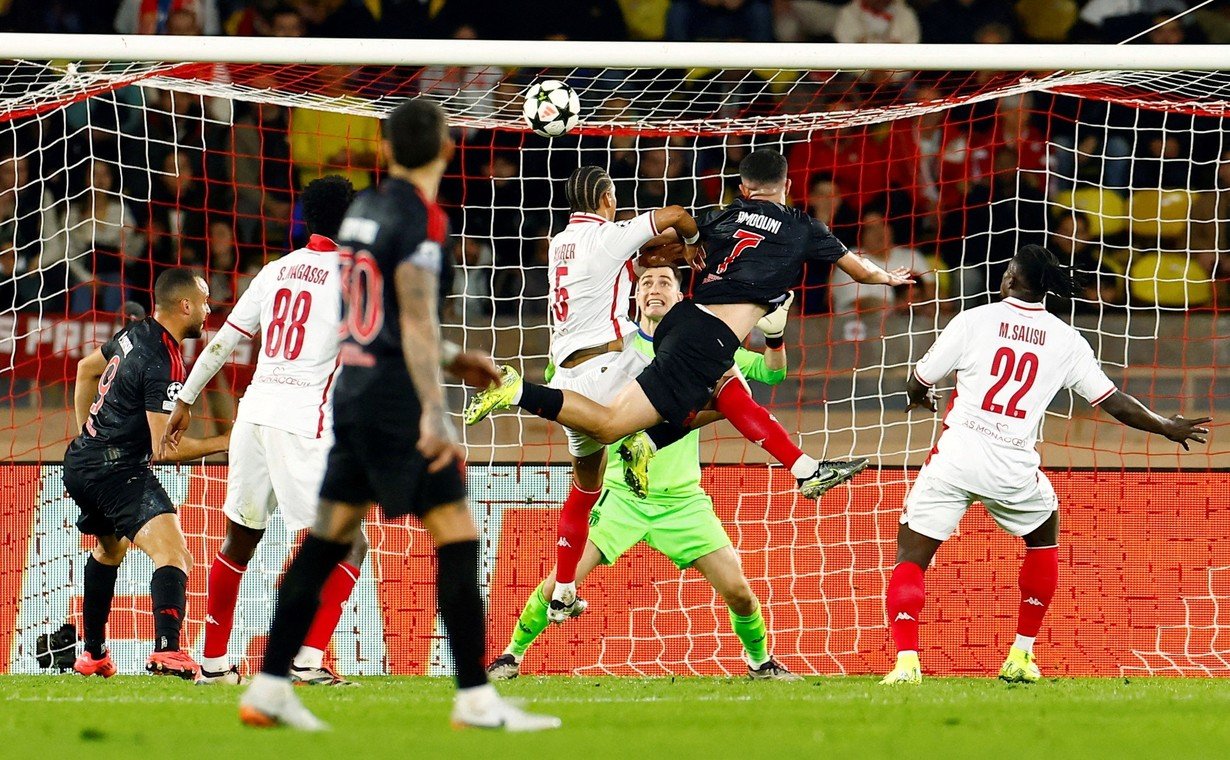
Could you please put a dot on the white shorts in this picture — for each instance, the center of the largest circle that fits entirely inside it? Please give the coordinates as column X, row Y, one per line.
column 272, row 469
column 934, row 507
column 599, row 379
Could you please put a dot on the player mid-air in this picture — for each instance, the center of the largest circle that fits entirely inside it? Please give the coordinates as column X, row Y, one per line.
column 283, row 429
column 393, row 441
column 677, row 517
column 123, row 394
column 591, row 280
column 1011, row 358
column 756, row 248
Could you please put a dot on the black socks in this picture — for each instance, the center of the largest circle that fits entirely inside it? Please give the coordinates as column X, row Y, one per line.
column 168, row 590
column 298, row 600
column 96, row 604
column 461, row 609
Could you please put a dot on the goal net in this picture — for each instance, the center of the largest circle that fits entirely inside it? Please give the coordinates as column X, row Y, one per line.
column 112, row 171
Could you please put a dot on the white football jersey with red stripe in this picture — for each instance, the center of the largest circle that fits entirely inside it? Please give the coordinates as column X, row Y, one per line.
column 293, row 307
column 591, row 281
column 1011, row 358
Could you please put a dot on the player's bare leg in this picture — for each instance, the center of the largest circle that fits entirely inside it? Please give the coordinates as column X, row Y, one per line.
column 271, row 700
column 308, row 668
column 225, row 574
column 725, row 573
column 1037, row 581
column 101, row 568
column 533, row 619
column 461, row 609
column 573, row 534
column 904, row 602
column 162, row 539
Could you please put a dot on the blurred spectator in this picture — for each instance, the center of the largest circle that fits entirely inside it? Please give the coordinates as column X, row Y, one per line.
column 993, row 33
column 1210, row 236
column 325, row 142
column 955, row 21
column 1163, row 163
column 287, row 21
column 1101, row 278
column 804, row 20
column 32, row 225
column 1113, row 21
column 471, row 90
column 663, row 178
column 1046, row 20
column 263, row 176
column 877, row 21
column 1214, row 23
column 472, row 286
column 646, row 19
column 691, row 20
column 182, row 22
column 875, row 238
column 154, row 16
column 17, row 287
column 347, row 19
column 177, row 216
column 1169, row 32
column 252, row 19
column 222, row 264
column 824, row 202
column 102, row 240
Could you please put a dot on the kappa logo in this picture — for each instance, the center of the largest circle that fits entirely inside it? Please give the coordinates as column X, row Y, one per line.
column 173, row 390
column 563, row 542
column 903, row 616
column 1034, row 601
column 209, row 620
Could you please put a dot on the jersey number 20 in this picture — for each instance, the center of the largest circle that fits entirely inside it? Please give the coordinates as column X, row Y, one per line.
column 1005, row 366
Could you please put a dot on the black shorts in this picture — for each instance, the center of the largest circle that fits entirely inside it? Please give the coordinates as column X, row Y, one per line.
column 692, row 351
column 114, row 499
column 375, row 431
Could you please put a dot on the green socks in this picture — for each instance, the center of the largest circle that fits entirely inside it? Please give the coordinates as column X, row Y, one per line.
column 533, row 621
column 751, row 631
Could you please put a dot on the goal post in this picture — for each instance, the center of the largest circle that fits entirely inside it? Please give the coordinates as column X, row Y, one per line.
column 121, row 156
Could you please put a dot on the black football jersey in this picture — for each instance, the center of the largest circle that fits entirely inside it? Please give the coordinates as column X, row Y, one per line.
column 144, row 373
column 755, row 251
column 384, row 227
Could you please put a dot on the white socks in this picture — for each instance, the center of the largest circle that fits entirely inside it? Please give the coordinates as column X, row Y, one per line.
column 309, row 657
column 564, row 588
column 215, row 664
column 1024, row 642
column 804, row 467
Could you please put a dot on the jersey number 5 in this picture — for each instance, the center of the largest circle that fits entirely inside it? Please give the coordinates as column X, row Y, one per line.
column 745, row 240
column 283, row 335
column 560, row 304
column 1002, row 367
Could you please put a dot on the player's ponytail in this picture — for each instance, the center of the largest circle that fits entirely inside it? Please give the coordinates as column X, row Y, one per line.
column 1043, row 273
column 585, row 188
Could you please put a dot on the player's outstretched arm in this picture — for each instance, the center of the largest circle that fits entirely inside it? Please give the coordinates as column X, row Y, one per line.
column 1128, row 410
column 677, row 225
column 89, row 369
column 203, row 370
column 864, row 271
column 187, row 449
column 420, row 342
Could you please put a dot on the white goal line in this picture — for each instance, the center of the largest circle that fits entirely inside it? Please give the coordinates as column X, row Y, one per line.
column 724, row 55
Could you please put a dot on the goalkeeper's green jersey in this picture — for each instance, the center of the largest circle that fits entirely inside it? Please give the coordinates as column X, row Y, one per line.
column 674, row 473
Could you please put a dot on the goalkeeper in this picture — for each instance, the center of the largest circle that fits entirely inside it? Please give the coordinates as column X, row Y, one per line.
column 676, row 518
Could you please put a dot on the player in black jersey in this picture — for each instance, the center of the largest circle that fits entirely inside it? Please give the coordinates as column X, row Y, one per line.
column 124, row 392
column 394, row 443
column 755, row 251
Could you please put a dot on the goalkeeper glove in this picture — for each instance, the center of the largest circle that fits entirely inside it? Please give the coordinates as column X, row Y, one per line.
column 773, row 324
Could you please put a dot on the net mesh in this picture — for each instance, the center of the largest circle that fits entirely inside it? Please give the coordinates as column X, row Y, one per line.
column 111, row 172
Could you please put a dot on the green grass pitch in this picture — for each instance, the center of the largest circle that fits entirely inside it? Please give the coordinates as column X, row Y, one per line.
column 713, row 718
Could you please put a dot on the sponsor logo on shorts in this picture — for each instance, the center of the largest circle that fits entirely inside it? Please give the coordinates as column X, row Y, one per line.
column 1034, row 601
column 903, row 616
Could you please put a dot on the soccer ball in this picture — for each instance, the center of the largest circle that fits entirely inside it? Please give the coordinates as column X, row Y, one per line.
column 551, row 108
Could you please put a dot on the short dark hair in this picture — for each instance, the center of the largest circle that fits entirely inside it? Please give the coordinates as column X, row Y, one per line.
column 763, row 167
column 585, row 187
column 171, row 284
column 1041, row 272
column 416, row 130
column 325, row 201
column 675, row 271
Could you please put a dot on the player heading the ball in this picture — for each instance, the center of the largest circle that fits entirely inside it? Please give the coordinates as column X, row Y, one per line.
column 1011, row 358
column 756, row 250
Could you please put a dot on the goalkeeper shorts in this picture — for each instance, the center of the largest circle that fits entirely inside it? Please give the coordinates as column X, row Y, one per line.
column 274, row 469
column 683, row 531
column 934, row 507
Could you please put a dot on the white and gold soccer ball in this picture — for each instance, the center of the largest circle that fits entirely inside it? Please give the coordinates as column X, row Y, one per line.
column 551, row 108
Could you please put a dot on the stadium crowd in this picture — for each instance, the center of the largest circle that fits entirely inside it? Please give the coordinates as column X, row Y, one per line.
column 98, row 198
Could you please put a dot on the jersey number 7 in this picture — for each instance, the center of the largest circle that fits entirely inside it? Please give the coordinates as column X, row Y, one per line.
column 1002, row 366
column 745, row 240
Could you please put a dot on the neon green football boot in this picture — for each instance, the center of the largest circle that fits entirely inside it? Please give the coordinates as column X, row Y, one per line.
column 496, row 397
column 906, row 671
column 637, row 452
column 1020, row 667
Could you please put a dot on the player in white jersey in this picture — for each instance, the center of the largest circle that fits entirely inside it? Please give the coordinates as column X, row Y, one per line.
column 591, row 276
column 1011, row 358
column 283, row 429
